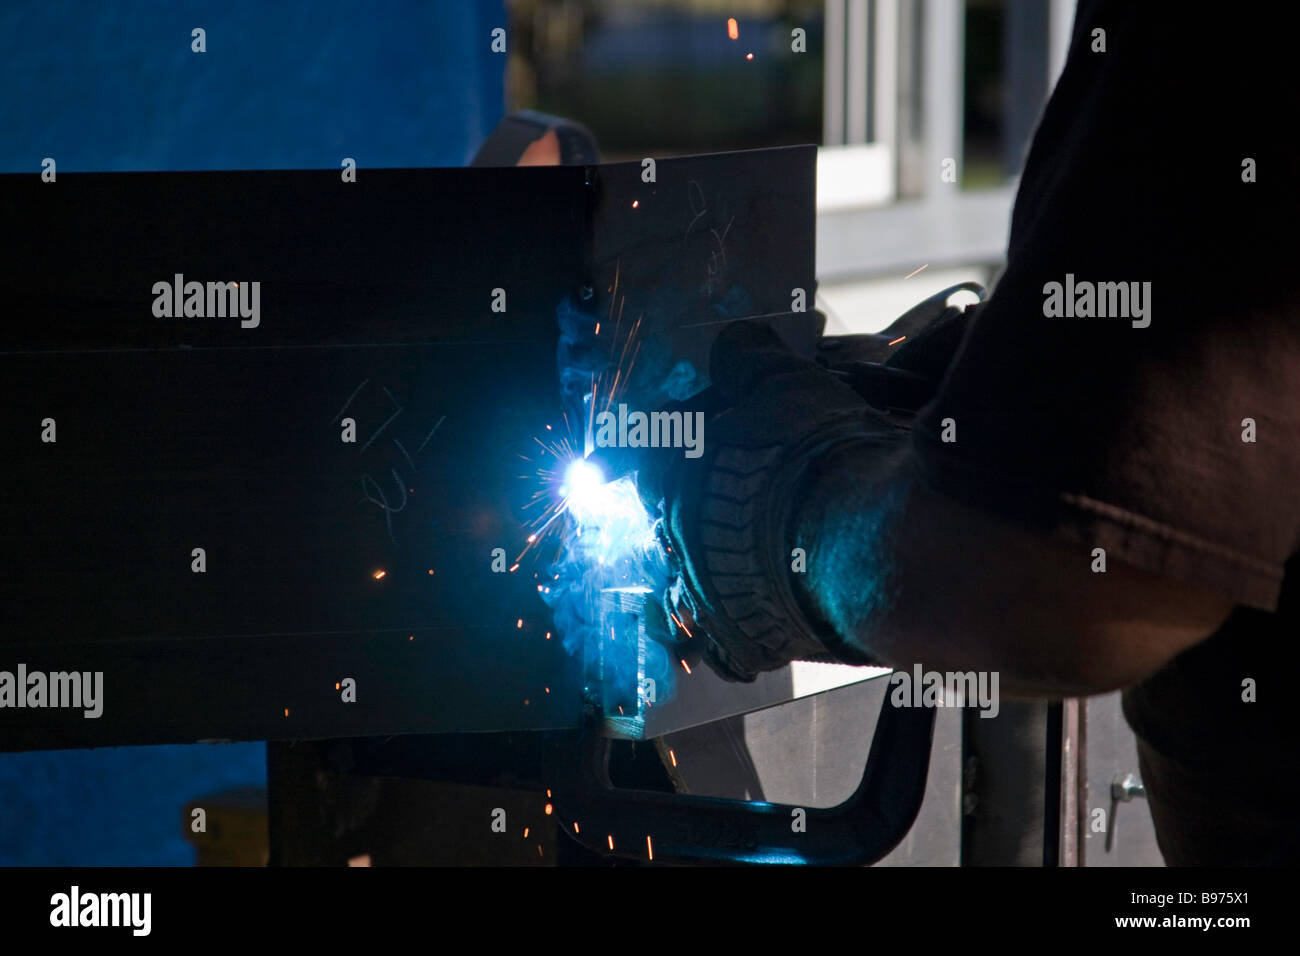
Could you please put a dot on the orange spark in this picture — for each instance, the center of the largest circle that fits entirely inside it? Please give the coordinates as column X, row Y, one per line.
column 549, row 809
column 673, row 757
column 733, row 29
column 525, row 833
column 686, row 666
column 575, row 827
column 749, row 56
column 649, row 846
column 379, row 574
column 897, row 340
column 611, row 841
column 915, row 271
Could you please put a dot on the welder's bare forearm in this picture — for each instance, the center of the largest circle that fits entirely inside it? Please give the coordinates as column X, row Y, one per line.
column 910, row 576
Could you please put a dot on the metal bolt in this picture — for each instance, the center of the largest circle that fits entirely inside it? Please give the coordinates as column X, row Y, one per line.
column 1122, row 790
column 1127, row 788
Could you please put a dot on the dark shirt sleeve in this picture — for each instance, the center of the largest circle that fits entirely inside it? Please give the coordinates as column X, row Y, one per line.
column 1126, row 432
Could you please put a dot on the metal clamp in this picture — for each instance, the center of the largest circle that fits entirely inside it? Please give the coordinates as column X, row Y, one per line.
column 669, row 828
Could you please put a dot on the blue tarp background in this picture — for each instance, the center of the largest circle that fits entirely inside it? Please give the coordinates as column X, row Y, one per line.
column 283, row 85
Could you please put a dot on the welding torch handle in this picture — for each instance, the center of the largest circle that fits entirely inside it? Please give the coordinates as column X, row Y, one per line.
column 887, row 387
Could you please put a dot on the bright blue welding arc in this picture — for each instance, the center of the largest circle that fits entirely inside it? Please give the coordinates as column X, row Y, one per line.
column 582, row 479
column 608, row 545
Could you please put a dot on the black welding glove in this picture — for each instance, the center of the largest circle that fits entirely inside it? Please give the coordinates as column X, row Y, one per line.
column 727, row 515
